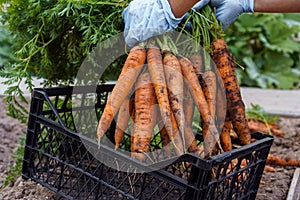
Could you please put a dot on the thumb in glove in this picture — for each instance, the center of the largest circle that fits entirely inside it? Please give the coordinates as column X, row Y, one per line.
column 228, row 11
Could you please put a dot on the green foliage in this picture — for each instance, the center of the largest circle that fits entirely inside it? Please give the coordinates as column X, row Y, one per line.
column 5, row 47
column 16, row 168
column 259, row 113
column 52, row 38
column 267, row 45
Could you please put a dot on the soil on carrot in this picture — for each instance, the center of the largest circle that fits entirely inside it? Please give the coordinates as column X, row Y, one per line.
column 274, row 185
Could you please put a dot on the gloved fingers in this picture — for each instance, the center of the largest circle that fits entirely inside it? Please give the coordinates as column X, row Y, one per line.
column 216, row 3
column 200, row 4
column 248, row 5
column 146, row 19
column 227, row 15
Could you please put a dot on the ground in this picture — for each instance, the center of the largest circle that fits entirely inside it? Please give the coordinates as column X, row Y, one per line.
column 274, row 185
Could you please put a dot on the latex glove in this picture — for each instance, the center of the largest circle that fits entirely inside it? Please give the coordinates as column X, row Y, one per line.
column 200, row 4
column 147, row 18
column 227, row 11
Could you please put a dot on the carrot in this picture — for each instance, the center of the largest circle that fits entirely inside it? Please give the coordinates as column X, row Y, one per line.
column 145, row 116
column 225, row 135
column 256, row 125
column 209, row 87
column 164, row 136
column 174, row 81
column 269, row 169
column 177, row 141
column 282, row 161
column 131, row 105
column 197, row 61
column 155, row 65
column 190, row 141
column 124, row 115
column 221, row 104
column 244, row 163
column 223, row 60
column 131, row 69
column 194, row 86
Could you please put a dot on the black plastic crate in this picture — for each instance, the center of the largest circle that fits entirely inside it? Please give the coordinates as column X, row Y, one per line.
column 58, row 156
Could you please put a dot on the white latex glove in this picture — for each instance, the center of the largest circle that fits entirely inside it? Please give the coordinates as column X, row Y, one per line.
column 147, row 18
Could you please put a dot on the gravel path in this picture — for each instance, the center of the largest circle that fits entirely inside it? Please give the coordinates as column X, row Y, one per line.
column 273, row 186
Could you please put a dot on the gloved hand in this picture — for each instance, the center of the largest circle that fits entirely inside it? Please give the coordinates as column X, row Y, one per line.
column 147, row 18
column 227, row 11
column 200, row 4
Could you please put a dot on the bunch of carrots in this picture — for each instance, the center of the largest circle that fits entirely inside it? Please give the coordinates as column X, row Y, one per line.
column 160, row 87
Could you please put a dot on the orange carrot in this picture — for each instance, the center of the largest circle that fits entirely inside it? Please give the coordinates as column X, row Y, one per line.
column 282, row 161
column 221, row 104
column 164, row 136
column 190, row 141
column 155, row 65
column 256, row 125
column 269, row 169
column 123, row 119
column 197, row 61
column 145, row 116
column 243, row 163
column 224, row 62
column 225, row 135
column 209, row 87
column 196, row 91
column 131, row 69
column 174, row 81
column 177, row 141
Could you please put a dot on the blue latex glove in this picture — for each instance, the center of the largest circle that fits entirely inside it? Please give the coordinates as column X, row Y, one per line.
column 200, row 4
column 227, row 11
column 147, row 18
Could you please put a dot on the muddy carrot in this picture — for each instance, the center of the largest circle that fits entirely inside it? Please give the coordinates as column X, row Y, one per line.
column 155, row 65
column 221, row 103
column 282, row 161
column 131, row 69
column 225, row 135
column 164, row 136
column 209, row 87
column 269, row 169
column 190, row 141
column 243, row 163
column 256, row 125
column 174, row 81
column 197, row 61
column 177, row 141
column 123, row 119
column 197, row 93
column 145, row 116
column 224, row 62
